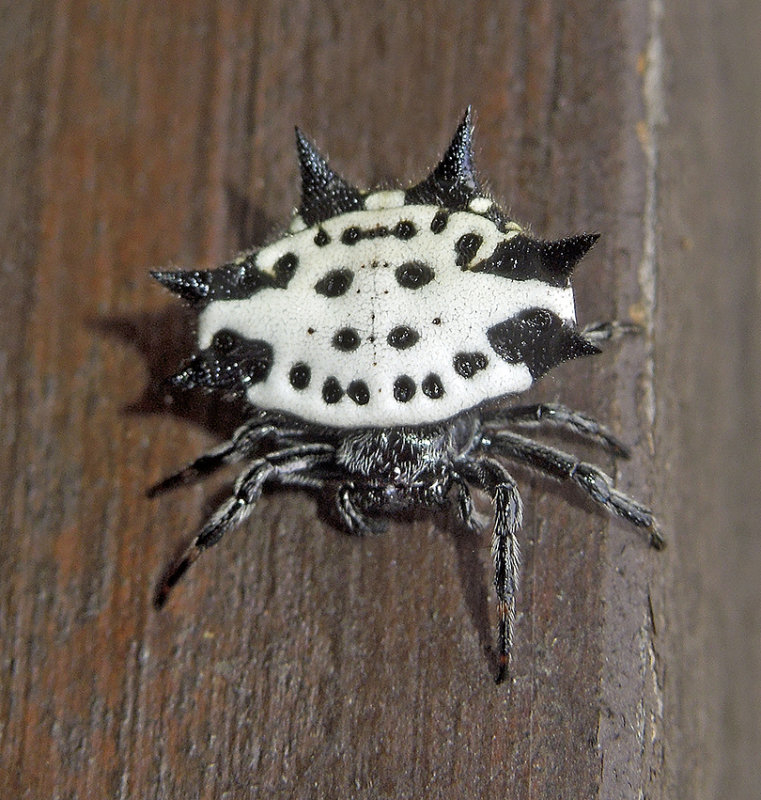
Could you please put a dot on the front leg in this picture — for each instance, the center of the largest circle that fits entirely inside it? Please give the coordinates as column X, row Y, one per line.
column 598, row 332
column 348, row 497
column 243, row 445
column 562, row 417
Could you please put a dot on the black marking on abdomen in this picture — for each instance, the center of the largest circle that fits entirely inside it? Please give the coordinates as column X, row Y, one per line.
column 404, row 389
column 358, row 392
column 231, row 363
column 466, row 248
column 468, row 364
column 346, row 340
column 414, row 275
column 331, row 390
column 402, row 337
column 322, row 237
column 432, row 386
column 538, row 338
column 300, row 376
column 235, row 281
column 284, row 269
column 351, row 235
column 404, row 229
column 439, row 221
column 334, row 283
column 522, row 258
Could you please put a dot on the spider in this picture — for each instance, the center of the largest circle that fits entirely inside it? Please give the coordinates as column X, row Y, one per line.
column 379, row 345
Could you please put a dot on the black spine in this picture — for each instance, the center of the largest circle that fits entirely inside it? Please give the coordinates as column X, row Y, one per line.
column 235, row 281
column 324, row 193
column 230, row 364
column 539, row 339
column 522, row 258
column 453, row 182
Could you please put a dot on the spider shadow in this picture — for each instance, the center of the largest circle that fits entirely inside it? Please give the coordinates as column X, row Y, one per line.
column 166, row 339
column 473, row 574
column 468, row 545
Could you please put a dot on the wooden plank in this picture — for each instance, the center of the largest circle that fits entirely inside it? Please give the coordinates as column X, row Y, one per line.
column 709, row 302
column 294, row 660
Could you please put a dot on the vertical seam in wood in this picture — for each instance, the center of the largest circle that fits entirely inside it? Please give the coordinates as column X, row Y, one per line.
column 648, row 269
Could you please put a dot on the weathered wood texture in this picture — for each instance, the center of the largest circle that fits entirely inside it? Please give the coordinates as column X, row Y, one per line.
column 295, row 661
column 708, row 366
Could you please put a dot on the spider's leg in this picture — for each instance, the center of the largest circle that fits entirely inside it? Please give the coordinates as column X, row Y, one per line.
column 281, row 466
column 565, row 467
column 489, row 475
column 597, row 332
column 465, row 504
column 357, row 523
column 242, row 445
column 564, row 418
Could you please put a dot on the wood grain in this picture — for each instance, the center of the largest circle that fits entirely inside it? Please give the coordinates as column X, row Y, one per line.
column 295, row 661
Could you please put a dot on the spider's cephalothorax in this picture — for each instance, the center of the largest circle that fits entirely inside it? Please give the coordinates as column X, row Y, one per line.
column 373, row 342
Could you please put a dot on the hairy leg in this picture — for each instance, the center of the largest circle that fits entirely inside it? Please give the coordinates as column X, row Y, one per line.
column 465, row 504
column 562, row 417
column 282, row 466
column 243, row 444
column 593, row 481
column 489, row 475
column 598, row 332
column 348, row 498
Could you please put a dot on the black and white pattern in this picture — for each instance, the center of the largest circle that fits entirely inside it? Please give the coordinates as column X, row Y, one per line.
column 383, row 307
column 368, row 340
column 370, row 289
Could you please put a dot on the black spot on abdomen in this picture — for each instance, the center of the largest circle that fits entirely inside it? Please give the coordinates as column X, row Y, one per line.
column 413, row 275
column 351, row 235
column 404, row 389
column 332, row 391
column 404, row 229
column 358, row 392
column 468, row 364
column 402, row 337
column 439, row 221
column 300, row 376
column 432, row 386
column 346, row 340
column 466, row 248
column 284, row 268
column 334, row 283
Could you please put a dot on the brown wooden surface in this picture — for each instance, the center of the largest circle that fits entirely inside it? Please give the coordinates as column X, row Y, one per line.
column 294, row 661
